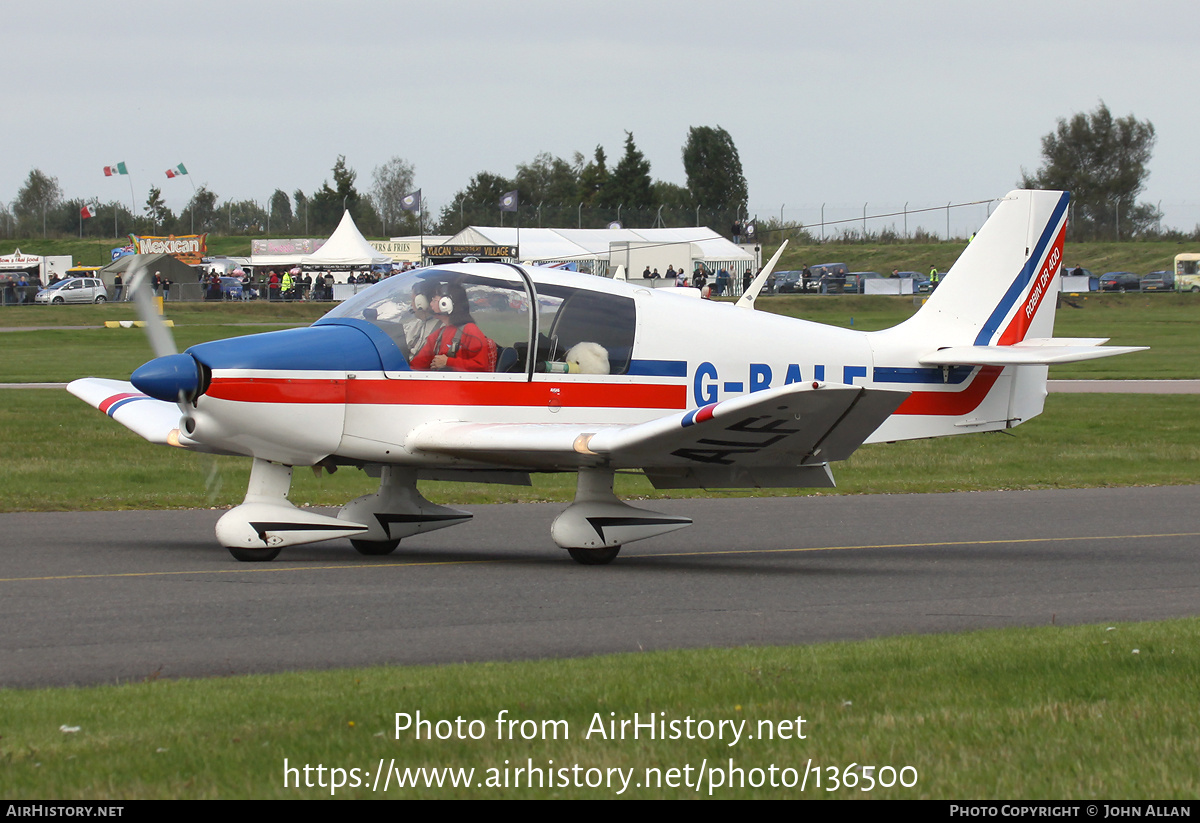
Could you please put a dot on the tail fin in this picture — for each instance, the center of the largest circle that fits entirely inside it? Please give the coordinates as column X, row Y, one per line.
column 994, row 309
column 995, row 293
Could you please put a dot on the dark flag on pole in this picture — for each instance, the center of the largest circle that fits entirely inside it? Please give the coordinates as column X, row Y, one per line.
column 509, row 201
column 411, row 202
column 750, row 231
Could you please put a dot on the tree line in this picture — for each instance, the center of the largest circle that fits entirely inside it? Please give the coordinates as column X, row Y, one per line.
column 583, row 193
column 551, row 192
column 1101, row 159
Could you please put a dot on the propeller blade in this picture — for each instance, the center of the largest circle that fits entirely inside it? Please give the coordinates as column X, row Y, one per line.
column 161, row 340
column 747, row 299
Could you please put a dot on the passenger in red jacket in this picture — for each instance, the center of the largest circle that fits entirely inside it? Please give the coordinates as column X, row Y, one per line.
column 458, row 344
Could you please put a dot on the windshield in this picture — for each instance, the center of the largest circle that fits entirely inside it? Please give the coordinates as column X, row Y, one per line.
column 405, row 307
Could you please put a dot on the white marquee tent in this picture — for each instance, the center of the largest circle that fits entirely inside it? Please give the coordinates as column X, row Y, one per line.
column 345, row 248
column 594, row 247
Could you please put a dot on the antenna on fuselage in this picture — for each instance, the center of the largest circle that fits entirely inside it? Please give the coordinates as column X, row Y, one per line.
column 747, row 299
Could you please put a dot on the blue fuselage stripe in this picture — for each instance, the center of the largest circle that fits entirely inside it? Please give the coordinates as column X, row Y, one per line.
column 1024, row 276
column 931, row 374
column 658, row 368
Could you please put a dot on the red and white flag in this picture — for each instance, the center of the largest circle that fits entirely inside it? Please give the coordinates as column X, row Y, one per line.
column 87, row 211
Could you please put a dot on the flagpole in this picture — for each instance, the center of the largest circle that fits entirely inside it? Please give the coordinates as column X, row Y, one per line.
column 511, row 201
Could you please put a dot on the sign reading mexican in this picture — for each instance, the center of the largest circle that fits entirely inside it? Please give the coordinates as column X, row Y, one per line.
column 189, row 248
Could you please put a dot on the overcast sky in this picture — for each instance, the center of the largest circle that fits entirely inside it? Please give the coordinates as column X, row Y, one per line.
column 926, row 101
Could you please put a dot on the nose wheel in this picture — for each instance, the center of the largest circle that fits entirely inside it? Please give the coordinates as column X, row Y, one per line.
column 266, row 522
column 594, row 557
column 374, row 548
column 254, row 555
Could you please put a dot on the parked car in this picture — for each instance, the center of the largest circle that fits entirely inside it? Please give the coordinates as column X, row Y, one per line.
column 794, row 282
column 1121, row 281
column 789, row 282
column 828, row 278
column 1159, row 281
column 921, row 284
column 230, row 288
column 74, row 290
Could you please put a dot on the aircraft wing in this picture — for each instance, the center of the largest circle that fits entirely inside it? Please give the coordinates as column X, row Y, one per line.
column 152, row 419
column 781, row 437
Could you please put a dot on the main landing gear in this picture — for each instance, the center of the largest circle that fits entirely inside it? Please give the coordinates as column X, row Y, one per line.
column 595, row 526
column 396, row 511
column 266, row 522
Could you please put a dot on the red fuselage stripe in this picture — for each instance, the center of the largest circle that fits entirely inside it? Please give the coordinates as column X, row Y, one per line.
column 565, row 395
column 448, row 393
column 952, row 403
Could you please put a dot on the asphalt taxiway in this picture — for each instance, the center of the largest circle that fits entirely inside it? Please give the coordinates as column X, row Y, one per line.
column 116, row 596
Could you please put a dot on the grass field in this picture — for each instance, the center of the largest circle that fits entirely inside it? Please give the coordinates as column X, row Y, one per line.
column 1088, row 712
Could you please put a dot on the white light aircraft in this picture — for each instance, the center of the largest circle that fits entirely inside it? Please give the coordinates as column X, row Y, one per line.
column 560, row 372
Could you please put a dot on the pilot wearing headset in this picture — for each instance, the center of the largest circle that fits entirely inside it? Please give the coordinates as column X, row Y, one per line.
column 423, row 321
column 458, row 344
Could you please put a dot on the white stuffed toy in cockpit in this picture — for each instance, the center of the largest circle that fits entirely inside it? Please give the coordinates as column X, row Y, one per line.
column 587, row 358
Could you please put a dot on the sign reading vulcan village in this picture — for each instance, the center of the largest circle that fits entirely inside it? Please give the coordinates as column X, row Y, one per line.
column 189, row 248
column 471, row 251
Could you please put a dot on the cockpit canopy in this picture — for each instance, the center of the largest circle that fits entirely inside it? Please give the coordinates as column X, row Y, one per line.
column 409, row 308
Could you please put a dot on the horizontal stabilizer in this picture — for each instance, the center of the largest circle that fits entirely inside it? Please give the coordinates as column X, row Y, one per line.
column 1041, row 352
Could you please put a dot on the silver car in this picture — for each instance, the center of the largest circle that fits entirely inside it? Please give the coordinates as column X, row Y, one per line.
column 74, row 290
